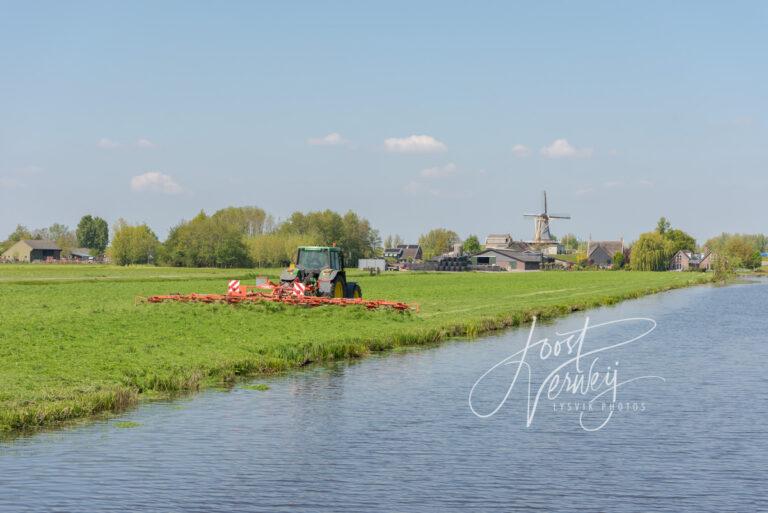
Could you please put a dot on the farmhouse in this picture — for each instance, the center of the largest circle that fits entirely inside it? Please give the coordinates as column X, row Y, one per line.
column 600, row 253
column 685, row 260
column 404, row 253
column 32, row 250
column 395, row 253
column 509, row 260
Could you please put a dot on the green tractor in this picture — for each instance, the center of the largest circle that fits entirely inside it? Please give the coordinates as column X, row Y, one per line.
column 321, row 270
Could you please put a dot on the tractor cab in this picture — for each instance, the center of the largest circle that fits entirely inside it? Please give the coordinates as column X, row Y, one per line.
column 321, row 270
column 319, row 258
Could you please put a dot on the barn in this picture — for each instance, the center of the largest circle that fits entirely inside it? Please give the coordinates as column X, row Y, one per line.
column 32, row 250
column 601, row 253
column 510, row 260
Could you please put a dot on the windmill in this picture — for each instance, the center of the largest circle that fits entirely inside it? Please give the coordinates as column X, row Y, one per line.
column 541, row 223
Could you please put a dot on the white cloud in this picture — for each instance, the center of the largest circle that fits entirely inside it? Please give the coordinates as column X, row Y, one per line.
column 645, row 183
column 414, row 144
column 613, row 184
column 520, row 150
column 439, row 171
column 107, row 144
column 145, row 143
column 332, row 139
column 561, row 148
column 155, row 182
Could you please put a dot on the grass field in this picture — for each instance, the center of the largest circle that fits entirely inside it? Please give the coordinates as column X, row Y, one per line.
column 74, row 343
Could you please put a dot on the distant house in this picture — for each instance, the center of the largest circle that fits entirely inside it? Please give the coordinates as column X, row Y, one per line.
column 498, row 241
column 404, row 253
column 685, row 260
column 601, row 253
column 32, row 250
column 509, row 260
column 411, row 252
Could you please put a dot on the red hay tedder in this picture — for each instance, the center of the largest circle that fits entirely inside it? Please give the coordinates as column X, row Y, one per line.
column 266, row 291
column 317, row 279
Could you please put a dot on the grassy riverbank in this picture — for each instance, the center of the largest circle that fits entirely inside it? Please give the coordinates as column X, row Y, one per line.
column 74, row 343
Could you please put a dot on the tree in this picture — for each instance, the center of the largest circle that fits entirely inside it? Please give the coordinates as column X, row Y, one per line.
column 392, row 241
column 738, row 250
column 678, row 240
column 437, row 241
column 20, row 233
column 93, row 233
column 62, row 235
column 276, row 249
column 618, row 260
column 350, row 232
column 722, row 267
column 570, row 241
column 215, row 241
column 133, row 244
column 761, row 242
column 662, row 226
column 651, row 252
column 742, row 253
column 471, row 245
column 249, row 221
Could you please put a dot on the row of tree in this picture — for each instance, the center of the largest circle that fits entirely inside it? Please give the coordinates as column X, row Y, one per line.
column 654, row 250
column 91, row 232
column 243, row 237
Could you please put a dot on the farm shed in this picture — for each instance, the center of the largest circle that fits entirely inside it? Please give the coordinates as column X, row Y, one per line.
column 32, row 250
column 81, row 254
column 600, row 253
column 510, row 260
column 365, row 264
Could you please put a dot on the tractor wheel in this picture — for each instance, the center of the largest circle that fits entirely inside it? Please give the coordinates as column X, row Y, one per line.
column 353, row 290
column 338, row 289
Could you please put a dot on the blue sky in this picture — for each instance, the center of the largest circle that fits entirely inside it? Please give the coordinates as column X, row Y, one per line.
column 152, row 111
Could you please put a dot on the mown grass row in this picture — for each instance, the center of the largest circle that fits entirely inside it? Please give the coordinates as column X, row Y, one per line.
column 87, row 349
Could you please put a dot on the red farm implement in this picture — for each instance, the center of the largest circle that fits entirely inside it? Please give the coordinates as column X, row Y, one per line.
column 291, row 293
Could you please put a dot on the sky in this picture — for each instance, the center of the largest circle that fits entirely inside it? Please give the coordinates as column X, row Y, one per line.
column 416, row 115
